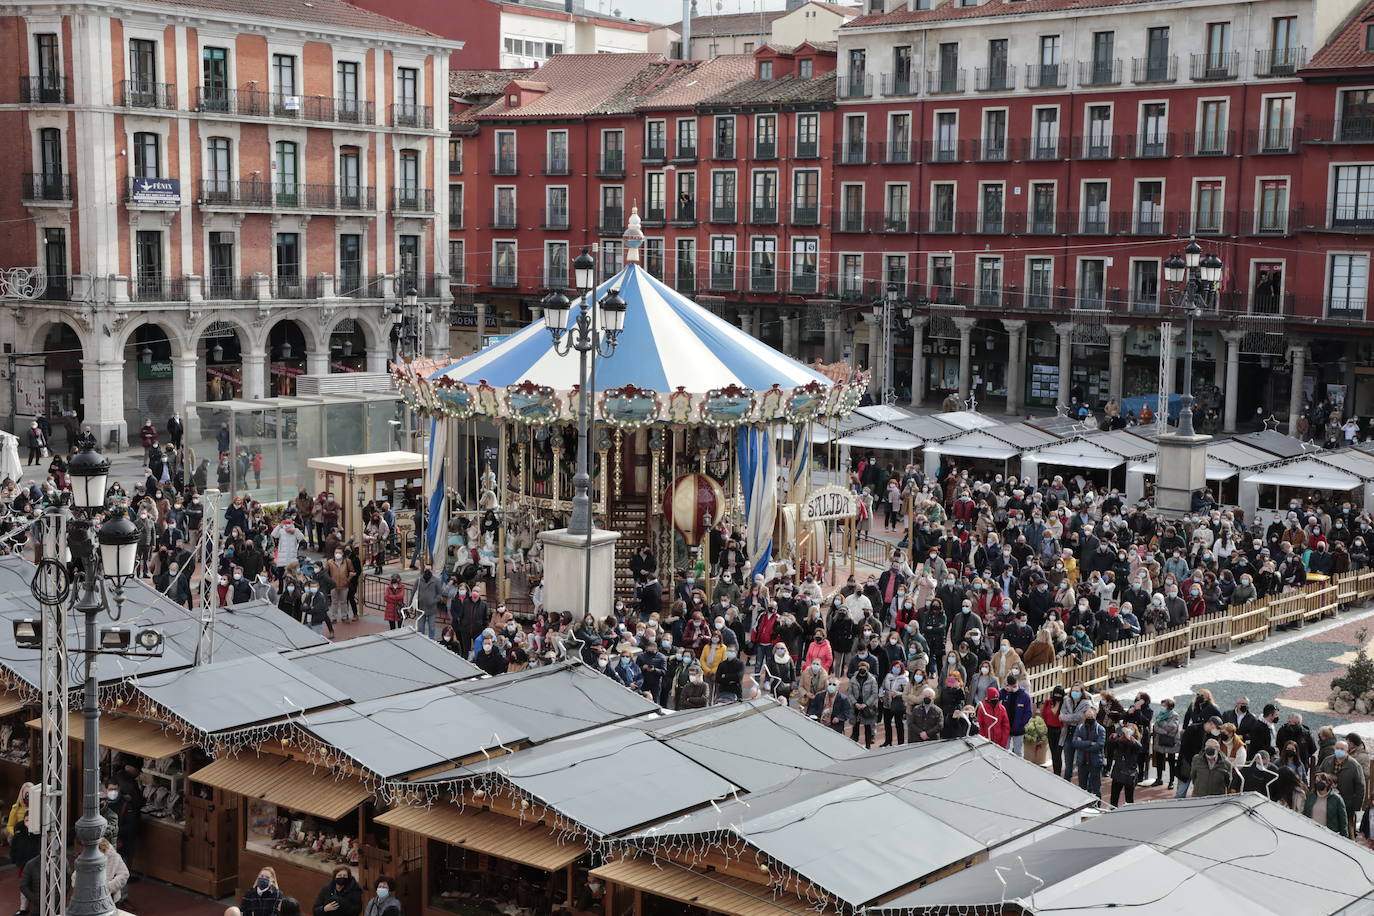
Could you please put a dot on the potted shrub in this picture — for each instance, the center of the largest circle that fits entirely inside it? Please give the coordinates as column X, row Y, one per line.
column 1036, row 744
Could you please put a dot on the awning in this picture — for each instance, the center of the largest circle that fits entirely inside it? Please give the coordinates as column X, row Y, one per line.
column 1214, row 471
column 506, row 838
column 898, row 443
column 719, row 892
column 11, row 702
column 1305, row 473
column 130, row 736
column 1077, row 454
column 955, row 449
column 289, row 783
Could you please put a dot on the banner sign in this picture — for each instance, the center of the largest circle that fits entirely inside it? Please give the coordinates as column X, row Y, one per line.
column 164, row 192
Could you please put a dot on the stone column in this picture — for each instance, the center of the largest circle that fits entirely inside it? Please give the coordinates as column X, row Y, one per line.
column 918, row 359
column 254, row 374
column 317, row 362
column 376, row 359
column 1016, row 365
column 789, row 335
column 831, row 352
column 185, row 392
column 1231, row 388
column 965, row 326
column 1171, row 367
column 1219, row 366
column 103, row 381
column 480, row 309
column 1116, row 361
column 874, row 320
column 1065, row 332
column 1295, row 390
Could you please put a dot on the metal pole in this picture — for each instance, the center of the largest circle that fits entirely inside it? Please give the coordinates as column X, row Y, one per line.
column 209, row 549
column 90, row 897
column 53, row 796
column 1185, row 407
column 584, row 447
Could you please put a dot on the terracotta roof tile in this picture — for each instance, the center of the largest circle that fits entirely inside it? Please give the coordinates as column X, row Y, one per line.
column 989, row 9
column 1346, row 49
column 731, row 24
column 469, row 83
column 583, row 84
column 318, row 13
column 700, row 80
column 787, row 89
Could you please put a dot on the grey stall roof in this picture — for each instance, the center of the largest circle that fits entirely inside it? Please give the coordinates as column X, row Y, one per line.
column 382, row 664
column 944, row 801
column 1124, row 443
column 239, row 692
column 1275, row 443
column 554, row 700
column 1351, row 461
column 1237, row 853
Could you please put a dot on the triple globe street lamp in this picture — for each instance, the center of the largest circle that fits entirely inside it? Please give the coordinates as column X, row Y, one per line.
column 1193, row 282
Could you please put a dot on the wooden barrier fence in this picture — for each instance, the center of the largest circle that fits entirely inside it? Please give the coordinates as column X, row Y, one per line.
column 1126, row 658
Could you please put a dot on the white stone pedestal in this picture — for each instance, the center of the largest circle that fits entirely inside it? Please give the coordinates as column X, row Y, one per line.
column 1180, row 469
column 565, row 559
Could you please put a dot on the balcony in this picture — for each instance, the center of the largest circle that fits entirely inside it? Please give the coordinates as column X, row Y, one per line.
column 654, row 215
column 408, row 114
column 291, row 287
column 1047, row 76
column 763, row 214
column 611, row 164
column 47, row 187
column 612, row 220
column 1161, row 69
column 891, row 222
column 685, row 281
column 763, row 280
column 654, row 154
column 504, row 164
column 1098, row 73
column 554, row 217
column 994, row 79
column 804, row 282
column 257, row 103
column 1148, row 222
column 1044, row 149
column 1274, row 222
column 940, row 151
column 1271, row 304
column 1344, row 308
column 896, row 152
column 854, row 289
column 940, row 222
column 1095, row 146
column 223, row 285
column 412, row 200
column 556, row 164
column 556, row 276
column 850, row 222
column 1150, row 146
column 1093, row 222
column 856, row 86
column 1209, row 142
column 723, row 149
column 806, row 215
column 1275, row 140
column 353, row 284
column 685, row 153
column 47, row 89
column 504, row 218
column 723, row 212
column 808, row 149
column 1277, row 63
column 722, row 279
column 765, row 149
column 990, row 149
column 156, row 287
column 145, row 94
column 993, row 222
column 1211, row 67
column 504, row 279
column 945, row 82
column 685, row 214
column 1144, row 304
column 1351, row 218
column 898, row 84
column 1211, row 222
column 852, row 152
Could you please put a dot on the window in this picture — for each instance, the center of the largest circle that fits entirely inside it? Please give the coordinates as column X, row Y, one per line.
column 555, row 265
column 612, row 208
column 686, row 196
column 221, row 252
column 851, row 275
column 1099, row 143
column 350, row 263
column 214, row 89
column 505, row 152
column 1158, row 63
column 1095, row 194
column 894, row 271
column 1357, row 115
column 532, row 48
column 1145, row 286
column 722, row 262
column 941, row 279
column 1103, row 67
column 287, row 101
column 763, row 257
column 804, row 264
column 1277, row 130
column 946, row 136
column 765, row 70
column 898, row 206
column 723, row 196
column 613, row 152
column 806, row 209
column 653, row 257
column 504, row 216
column 1218, row 61
column 50, row 163
column 852, row 208
column 1273, row 205
column 994, row 135
column 1046, row 139
column 1042, row 204
column 686, row 139
column 1149, row 207
column 901, row 70
column 1092, row 280
column 858, row 67
column 989, row 282
column 351, row 178
column 503, row 264
column 1283, row 47
column 655, row 139
column 408, row 261
column 766, row 137
column 1039, row 282
column 288, row 174
column 655, row 195
column 725, row 138
column 1154, row 130
column 557, row 152
column 556, row 208
column 408, row 177
column 455, row 156
column 996, row 76
column 855, row 145
column 804, row 68
column 218, row 168
column 1353, row 205
column 49, row 67
column 1207, row 205
column 748, row 47
column 348, row 106
column 457, row 261
column 288, row 265
column 1048, row 76
column 143, row 68
column 147, row 155
column 1348, row 284
column 808, row 135
column 686, row 266
column 148, row 265
column 455, row 206
column 990, row 211
column 407, row 96
column 765, row 196
column 942, row 198
column 946, row 78
column 899, row 138
column 1211, row 138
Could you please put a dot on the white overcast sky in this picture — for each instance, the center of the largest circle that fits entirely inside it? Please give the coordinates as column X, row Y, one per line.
column 671, row 10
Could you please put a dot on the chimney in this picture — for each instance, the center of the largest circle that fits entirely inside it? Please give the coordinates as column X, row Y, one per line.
column 687, row 6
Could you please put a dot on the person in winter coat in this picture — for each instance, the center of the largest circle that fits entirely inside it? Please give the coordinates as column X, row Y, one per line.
column 385, row 903
column 1347, row 777
column 340, row 897
column 863, row 694
column 830, row 707
column 1088, row 742
column 779, row 672
column 1166, row 732
column 1201, row 709
column 1020, row 710
column 1325, row 806
column 1004, row 660
column 1041, row 651
column 393, row 600
column 653, row 669
column 490, row 658
column 1127, row 749
column 429, row 599
column 892, row 700
column 993, row 721
column 264, row 897
column 693, row 694
column 1072, row 712
column 951, row 699
column 625, row 671
column 820, row 650
column 1211, row 772
column 925, row 722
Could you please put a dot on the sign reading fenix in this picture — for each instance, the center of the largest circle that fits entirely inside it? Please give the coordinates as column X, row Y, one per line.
column 830, row 502
column 156, row 191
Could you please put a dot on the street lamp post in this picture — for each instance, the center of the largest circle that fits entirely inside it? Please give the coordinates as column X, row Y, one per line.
column 1193, row 281
column 892, row 300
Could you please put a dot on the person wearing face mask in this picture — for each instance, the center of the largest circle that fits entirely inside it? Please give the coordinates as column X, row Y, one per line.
column 1326, row 806
column 951, row 700
column 820, row 650
column 239, row 588
column 730, row 677
column 315, row 609
column 1016, row 700
column 1072, row 712
column 925, row 721
column 1211, row 772
column 892, row 703
column 264, row 897
column 812, row 682
column 469, row 614
column 779, row 675
column 341, row 574
column 263, row 589
column 710, row 658
column 831, row 707
column 1127, row 750
column 993, row 721
column 340, row 897
column 1088, row 743
column 428, row 599
column 863, row 693
column 1347, row 778
column 983, row 679
column 385, row 903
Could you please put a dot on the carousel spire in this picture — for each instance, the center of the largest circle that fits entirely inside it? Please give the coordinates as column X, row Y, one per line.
column 633, row 237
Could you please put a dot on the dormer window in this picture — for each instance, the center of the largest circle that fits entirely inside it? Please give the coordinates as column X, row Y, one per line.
column 766, row 70
column 513, row 100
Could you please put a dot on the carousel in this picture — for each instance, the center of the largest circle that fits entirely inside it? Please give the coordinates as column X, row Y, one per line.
column 696, row 428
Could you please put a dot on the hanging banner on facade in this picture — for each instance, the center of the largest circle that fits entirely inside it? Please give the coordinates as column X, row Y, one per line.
column 156, row 191
column 30, row 391
column 830, row 502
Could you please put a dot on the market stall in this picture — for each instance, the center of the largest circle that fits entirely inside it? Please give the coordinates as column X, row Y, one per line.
column 1262, row 493
column 986, row 449
column 356, row 480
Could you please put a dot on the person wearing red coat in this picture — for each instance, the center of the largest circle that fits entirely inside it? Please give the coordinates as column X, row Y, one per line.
column 820, row 651
column 393, row 599
column 993, row 721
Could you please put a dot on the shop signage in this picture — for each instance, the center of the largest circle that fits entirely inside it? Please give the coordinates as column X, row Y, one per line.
column 830, row 502
column 283, row 369
column 157, row 369
column 467, row 318
column 164, row 192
